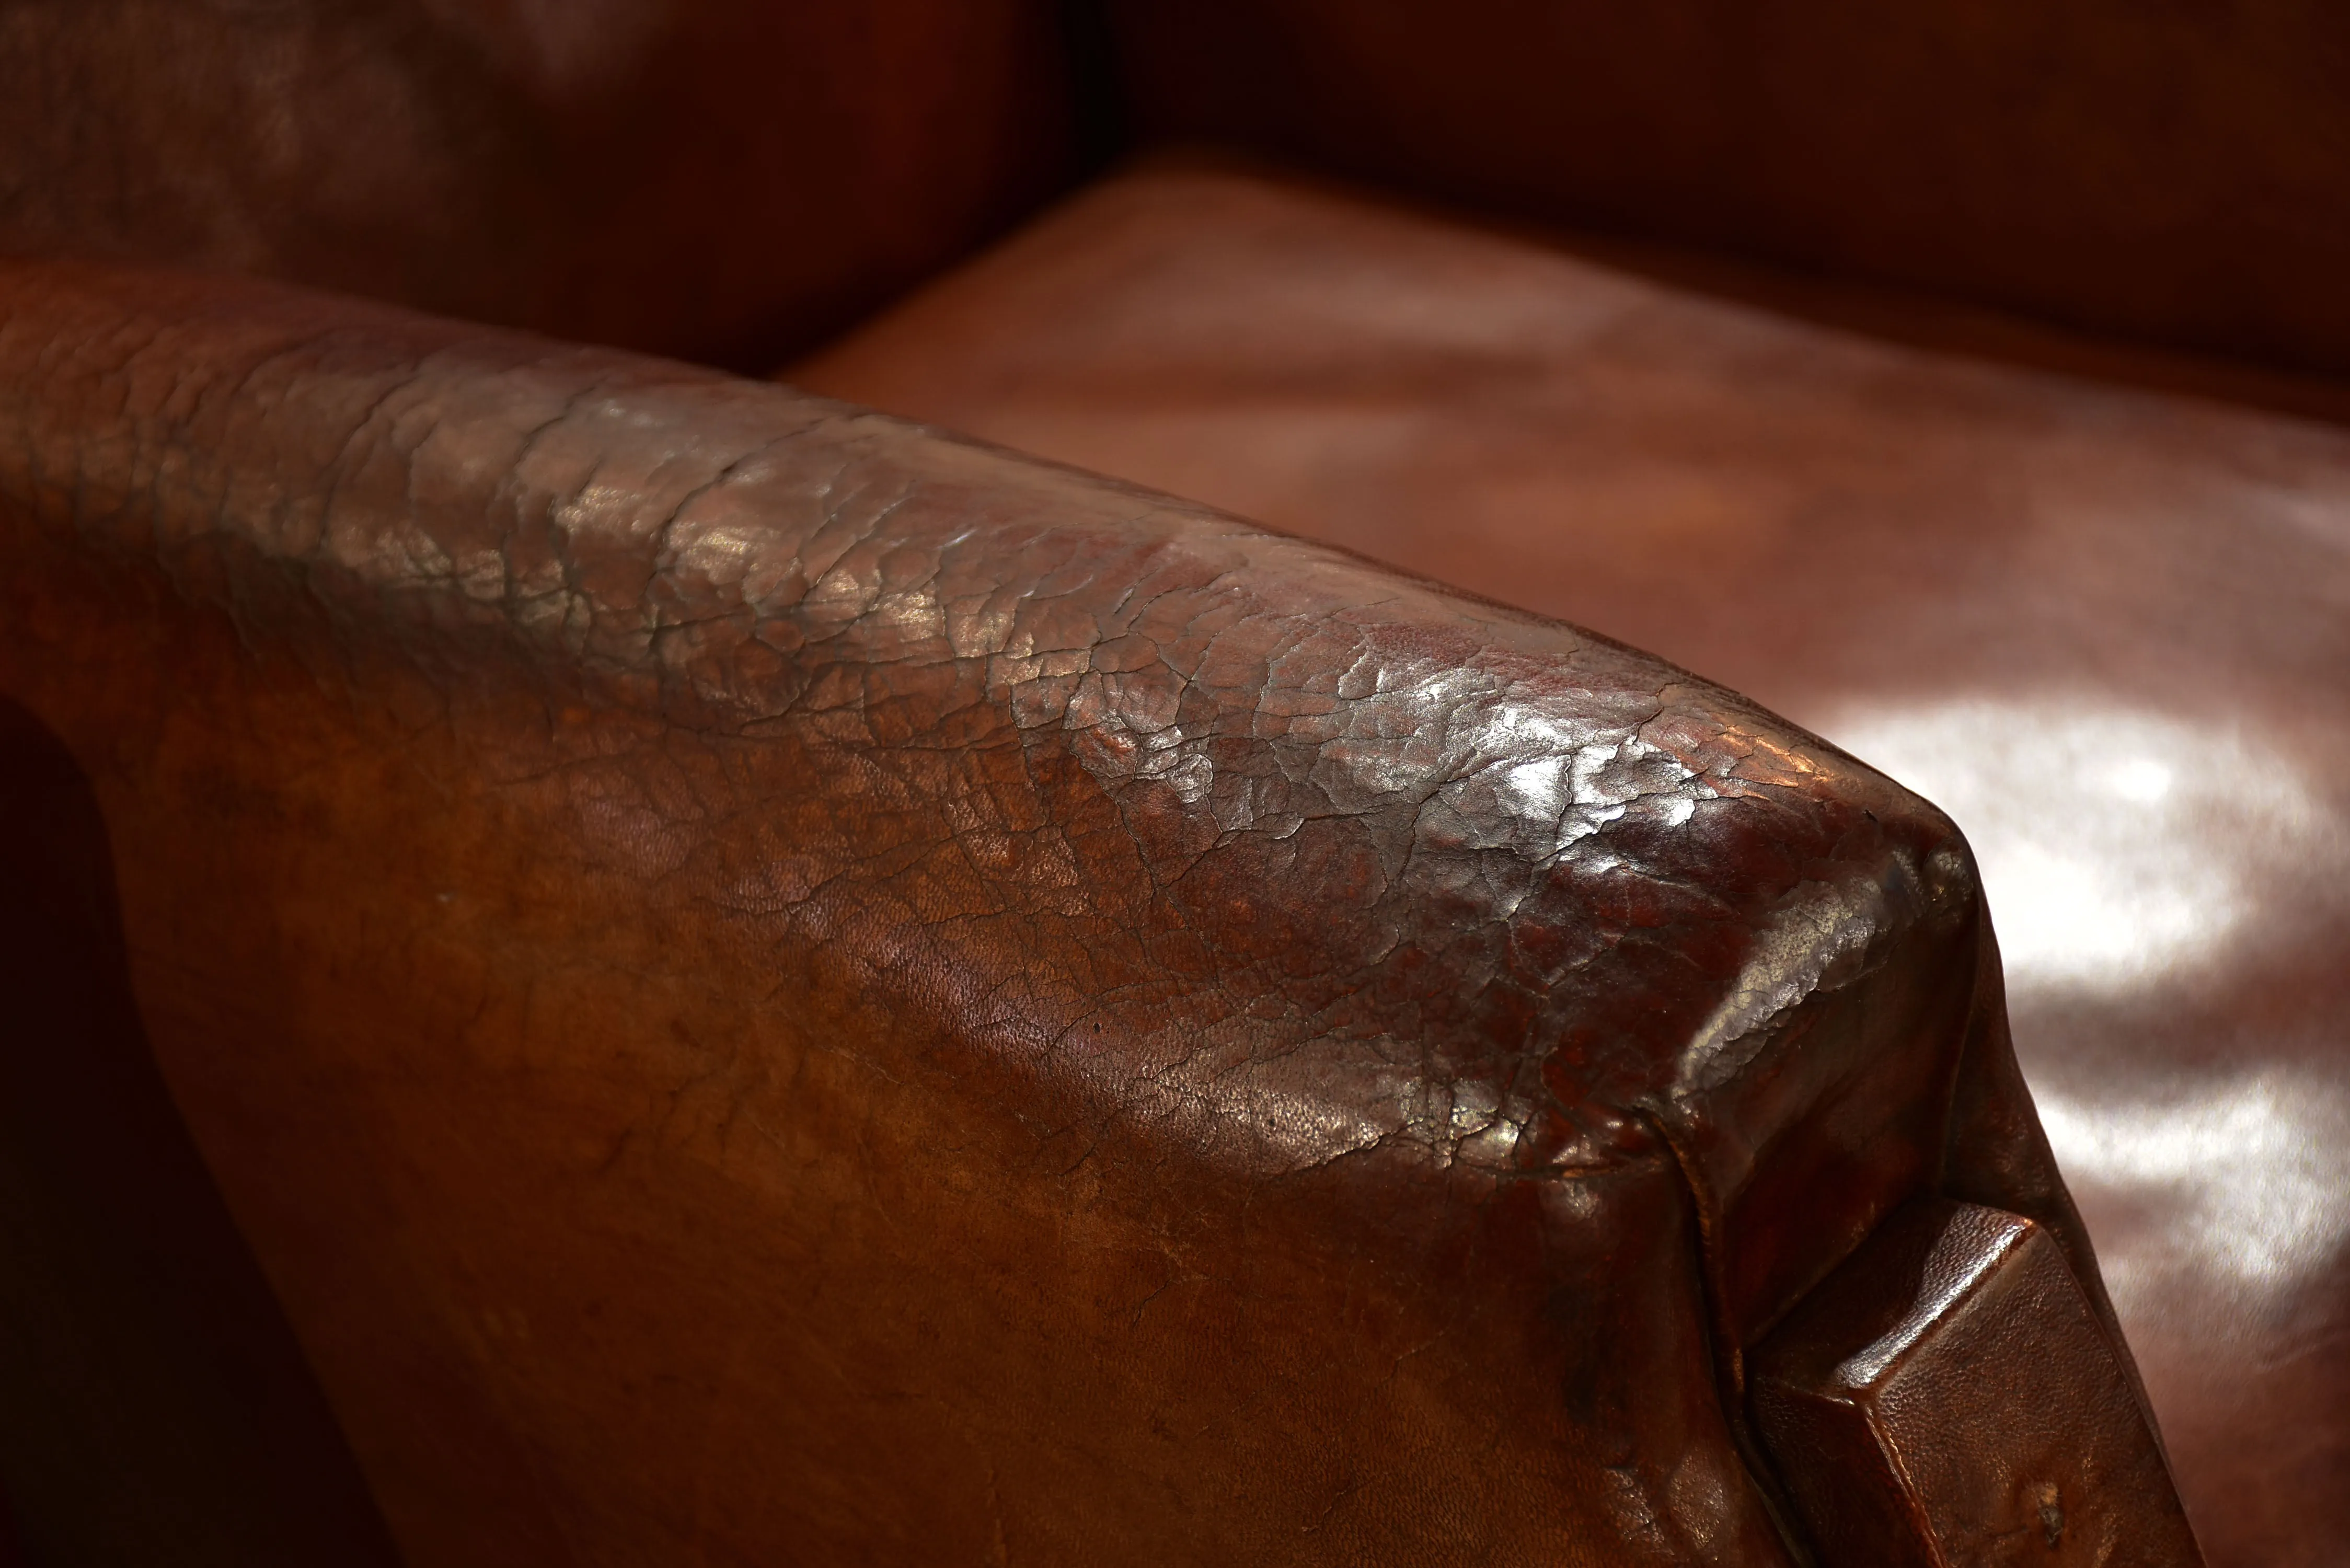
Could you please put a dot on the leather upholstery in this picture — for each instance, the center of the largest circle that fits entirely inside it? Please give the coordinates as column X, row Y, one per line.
column 2177, row 173
column 719, row 179
column 1890, row 1401
column 2108, row 629
column 710, row 936
column 154, row 1407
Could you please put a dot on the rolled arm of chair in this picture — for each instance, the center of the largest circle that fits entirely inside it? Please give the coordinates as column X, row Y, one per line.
column 768, row 977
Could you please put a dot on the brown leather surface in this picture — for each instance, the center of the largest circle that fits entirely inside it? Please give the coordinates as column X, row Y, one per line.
column 2179, row 173
column 1947, row 1397
column 771, row 986
column 2109, row 630
column 153, row 1405
column 727, row 180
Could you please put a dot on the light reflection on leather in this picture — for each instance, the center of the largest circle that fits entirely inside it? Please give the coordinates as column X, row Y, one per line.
column 2247, row 1176
column 1899, row 550
column 2117, row 846
column 2123, row 849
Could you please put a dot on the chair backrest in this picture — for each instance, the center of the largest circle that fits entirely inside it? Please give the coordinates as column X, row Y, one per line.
column 726, row 180
column 2173, row 172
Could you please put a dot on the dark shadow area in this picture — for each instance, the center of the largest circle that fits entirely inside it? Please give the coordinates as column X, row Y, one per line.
column 155, row 1404
column 1101, row 128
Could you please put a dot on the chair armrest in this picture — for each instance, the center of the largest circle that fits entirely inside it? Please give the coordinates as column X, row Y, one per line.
column 759, row 974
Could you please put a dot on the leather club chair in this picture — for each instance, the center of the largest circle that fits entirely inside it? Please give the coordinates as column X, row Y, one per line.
column 616, row 959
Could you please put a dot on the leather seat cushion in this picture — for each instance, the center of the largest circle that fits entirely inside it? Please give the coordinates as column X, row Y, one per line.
column 2106, row 627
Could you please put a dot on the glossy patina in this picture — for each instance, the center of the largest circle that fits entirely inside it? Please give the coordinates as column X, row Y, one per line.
column 776, row 939
column 2105, row 627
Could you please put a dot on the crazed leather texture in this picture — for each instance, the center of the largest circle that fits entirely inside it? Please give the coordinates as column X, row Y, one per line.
column 2105, row 629
column 768, row 980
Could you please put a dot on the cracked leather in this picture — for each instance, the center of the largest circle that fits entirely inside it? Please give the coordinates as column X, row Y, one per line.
column 766, row 979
